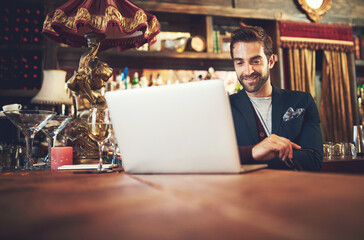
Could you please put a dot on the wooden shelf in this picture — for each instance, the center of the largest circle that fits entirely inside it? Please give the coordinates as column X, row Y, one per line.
column 359, row 67
column 18, row 93
column 21, row 47
column 171, row 54
column 359, row 62
column 69, row 58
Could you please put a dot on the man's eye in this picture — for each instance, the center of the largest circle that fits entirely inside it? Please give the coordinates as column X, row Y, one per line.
column 239, row 63
column 257, row 61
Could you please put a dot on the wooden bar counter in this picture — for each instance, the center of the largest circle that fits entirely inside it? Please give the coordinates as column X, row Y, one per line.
column 265, row 204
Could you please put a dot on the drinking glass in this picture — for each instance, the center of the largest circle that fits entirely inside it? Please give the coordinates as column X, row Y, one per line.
column 328, row 149
column 110, row 150
column 338, row 150
column 29, row 122
column 99, row 127
column 51, row 129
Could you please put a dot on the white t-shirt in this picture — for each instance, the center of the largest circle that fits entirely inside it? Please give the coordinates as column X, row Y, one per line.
column 263, row 108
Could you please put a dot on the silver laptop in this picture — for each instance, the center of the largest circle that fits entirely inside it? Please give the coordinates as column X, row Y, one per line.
column 180, row 128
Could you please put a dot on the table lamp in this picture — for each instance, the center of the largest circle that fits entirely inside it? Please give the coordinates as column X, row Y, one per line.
column 99, row 25
column 53, row 90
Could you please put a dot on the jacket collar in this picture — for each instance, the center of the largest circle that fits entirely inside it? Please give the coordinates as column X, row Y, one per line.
column 243, row 105
column 278, row 106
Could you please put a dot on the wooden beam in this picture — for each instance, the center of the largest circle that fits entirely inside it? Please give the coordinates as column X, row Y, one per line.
column 206, row 10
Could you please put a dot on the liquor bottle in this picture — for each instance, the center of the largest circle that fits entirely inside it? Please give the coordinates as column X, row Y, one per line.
column 210, row 73
column 151, row 80
column 122, row 81
column 155, row 80
column 358, row 92
column 144, row 81
column 126, row 78
column 159, row 80
column 116, row 85
column 135, row 83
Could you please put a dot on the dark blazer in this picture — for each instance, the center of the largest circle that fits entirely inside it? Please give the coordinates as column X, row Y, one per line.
column 303, row 130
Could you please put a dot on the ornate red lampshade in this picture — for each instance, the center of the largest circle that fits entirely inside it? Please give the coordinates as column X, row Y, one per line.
column 122, row 24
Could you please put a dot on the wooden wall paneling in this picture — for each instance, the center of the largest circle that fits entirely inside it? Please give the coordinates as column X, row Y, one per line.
column 356, row 11
column 276, row 73
column 175, row 22
column 225, row 3
column 342, row 11
column 273, row 30
column 213, row 10
column 287, row 7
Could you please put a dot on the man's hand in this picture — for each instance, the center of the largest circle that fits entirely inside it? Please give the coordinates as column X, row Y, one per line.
column 274, row 146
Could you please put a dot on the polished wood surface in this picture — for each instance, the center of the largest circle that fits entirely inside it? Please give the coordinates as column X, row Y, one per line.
column 265, row 204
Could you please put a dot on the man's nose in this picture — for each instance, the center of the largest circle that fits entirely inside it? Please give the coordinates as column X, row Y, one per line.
column 248, row 69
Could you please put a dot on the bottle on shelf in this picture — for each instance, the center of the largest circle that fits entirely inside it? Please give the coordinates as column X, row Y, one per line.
column 144, row 81
column 159, row 80
column 135, row 83
column 151, row 80
column 126, row 79
column 123, row 81
column 116, row 83
column 210, row 73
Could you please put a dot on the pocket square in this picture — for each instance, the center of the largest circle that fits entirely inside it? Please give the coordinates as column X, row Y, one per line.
column 291, row 114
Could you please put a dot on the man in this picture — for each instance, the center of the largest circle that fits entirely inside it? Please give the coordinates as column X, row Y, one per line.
column 273, row 126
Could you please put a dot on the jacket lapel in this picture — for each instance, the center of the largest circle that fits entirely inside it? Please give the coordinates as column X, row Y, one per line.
column 243, row 105
column 278, row 106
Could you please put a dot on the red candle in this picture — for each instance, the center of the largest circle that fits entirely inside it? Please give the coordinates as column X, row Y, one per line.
column 61, row 156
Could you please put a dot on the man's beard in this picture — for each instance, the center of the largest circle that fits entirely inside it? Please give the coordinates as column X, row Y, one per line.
column 262, row 80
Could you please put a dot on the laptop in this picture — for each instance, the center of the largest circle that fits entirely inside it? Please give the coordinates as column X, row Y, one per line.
column 179, row 128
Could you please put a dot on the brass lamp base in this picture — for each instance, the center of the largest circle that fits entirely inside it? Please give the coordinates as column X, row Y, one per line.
column 86, row 84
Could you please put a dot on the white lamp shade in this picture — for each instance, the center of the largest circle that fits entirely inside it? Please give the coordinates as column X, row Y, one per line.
column 53, row 90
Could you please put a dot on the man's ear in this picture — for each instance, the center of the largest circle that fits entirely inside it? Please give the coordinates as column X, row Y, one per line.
column 272, row 60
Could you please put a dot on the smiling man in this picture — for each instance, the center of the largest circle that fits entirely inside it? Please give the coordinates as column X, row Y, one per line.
column 274, row 126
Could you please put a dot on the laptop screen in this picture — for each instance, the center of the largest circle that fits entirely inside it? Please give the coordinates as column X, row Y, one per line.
column 181, row 128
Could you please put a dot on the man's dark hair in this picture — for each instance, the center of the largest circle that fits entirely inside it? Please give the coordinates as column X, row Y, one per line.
column 252, row 34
